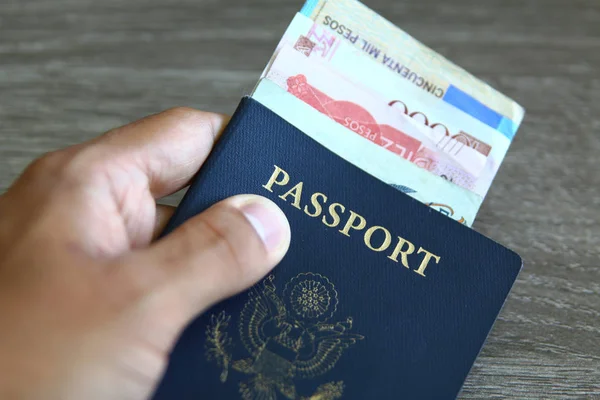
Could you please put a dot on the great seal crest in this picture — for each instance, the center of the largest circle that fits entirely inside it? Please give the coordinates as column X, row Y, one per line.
column 287, row 338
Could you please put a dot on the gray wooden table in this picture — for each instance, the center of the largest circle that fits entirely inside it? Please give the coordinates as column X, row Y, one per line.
column 70, row 69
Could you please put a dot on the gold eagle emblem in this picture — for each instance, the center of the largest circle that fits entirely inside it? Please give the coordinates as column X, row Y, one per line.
column 287, row 338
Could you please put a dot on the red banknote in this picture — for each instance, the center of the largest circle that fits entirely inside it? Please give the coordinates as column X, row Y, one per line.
column 339, row 99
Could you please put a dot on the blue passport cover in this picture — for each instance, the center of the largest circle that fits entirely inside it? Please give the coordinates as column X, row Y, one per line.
column 379, row 296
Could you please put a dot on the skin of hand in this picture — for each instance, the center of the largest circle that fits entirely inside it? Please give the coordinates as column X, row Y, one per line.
column 90, row 304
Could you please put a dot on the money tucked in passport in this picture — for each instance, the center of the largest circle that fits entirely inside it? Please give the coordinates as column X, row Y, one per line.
column 380, row 152
column 459, row 129
column 418, row 183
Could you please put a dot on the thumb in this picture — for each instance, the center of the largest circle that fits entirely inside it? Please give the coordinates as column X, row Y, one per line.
column 216, row 254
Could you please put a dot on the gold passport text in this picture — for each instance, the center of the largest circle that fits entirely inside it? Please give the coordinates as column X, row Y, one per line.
column 376, row 238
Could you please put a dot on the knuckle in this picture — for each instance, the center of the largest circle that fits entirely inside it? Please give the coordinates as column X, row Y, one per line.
column 223, row 247
column 70, row 166
column 195, row 119
column 86, row 162
column 89, row 164
column 231, row 239
column 183, row 112
column 48, row 163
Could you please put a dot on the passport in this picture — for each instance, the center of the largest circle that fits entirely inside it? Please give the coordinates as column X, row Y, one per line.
column 378, row 297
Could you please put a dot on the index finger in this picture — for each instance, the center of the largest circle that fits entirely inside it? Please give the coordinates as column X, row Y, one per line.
column 168, row 147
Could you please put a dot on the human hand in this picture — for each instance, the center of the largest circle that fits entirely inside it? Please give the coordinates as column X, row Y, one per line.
column 89, row 307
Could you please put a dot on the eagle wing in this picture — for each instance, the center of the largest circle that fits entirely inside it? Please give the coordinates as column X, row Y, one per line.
column 263, row 304
column 328, row 348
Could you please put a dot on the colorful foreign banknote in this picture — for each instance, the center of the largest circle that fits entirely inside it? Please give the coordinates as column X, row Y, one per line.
column 454, row 128
column 457, row 203
column 433, row 74
column 470, row 158
column 338, row 98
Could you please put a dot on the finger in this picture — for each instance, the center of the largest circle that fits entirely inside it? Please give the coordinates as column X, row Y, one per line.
column 214, row 255
column 163, row 215
column 168, row 147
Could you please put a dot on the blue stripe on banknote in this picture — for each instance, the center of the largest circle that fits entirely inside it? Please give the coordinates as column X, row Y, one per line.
column 308, row 7
column 508, row 128
column 480, row 111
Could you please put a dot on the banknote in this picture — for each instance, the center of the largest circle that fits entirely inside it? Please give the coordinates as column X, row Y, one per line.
column 469, row 157
column 437, row 77
column 455, row 129
column 443, row 196
column 338, row 98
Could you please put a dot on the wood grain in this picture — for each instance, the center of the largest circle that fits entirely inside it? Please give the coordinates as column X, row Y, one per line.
column 70, row 69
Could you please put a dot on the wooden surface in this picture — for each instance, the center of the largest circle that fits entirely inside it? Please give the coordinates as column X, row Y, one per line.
column 70, row 69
